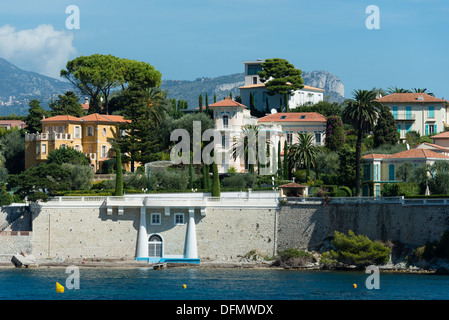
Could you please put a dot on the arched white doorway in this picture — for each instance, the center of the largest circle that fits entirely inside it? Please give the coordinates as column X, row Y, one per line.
column 155, row 246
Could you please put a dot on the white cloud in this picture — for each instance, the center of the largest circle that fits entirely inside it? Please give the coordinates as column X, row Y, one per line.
column 43, row 49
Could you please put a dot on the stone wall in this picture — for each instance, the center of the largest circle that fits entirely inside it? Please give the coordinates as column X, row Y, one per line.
column 229, row 232
column 309, row 226
column 12, row 242
column 223, row 233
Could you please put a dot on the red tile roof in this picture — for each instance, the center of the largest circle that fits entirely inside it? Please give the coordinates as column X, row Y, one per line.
column 412, row 153
column 442, row 135
column 292, row 185
column 227, row 102
column 410, row 97
column 293, row 117
column 96, row 117
column 62, row 118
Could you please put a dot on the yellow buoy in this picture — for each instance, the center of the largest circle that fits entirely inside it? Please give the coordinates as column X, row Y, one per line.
column 184, row 286
column 59, row 288
column 354, row 285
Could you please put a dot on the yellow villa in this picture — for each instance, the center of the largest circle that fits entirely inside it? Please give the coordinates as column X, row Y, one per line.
column 91, row 134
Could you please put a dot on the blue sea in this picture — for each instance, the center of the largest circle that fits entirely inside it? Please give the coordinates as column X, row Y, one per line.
column 217, row 284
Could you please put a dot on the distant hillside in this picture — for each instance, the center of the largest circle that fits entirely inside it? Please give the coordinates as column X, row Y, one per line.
column 222, row 86
column 18, row 87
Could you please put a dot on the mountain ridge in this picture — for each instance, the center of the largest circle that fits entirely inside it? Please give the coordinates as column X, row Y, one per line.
column 222, row 86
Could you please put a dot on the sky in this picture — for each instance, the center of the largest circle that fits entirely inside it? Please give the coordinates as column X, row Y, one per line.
column 188, row 39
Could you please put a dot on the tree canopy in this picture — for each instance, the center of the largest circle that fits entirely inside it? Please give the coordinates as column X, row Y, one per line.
column 98, row 74
column 281, row 77
column 67, row 104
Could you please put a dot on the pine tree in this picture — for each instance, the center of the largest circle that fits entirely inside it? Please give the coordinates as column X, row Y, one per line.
column 119, row 174
column 216, row 181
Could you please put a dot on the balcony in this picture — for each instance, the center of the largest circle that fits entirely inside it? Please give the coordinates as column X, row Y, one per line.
column 47, row 136
column 404, row 116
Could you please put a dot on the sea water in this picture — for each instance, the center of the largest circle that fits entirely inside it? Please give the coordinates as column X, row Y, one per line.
column 217, row 284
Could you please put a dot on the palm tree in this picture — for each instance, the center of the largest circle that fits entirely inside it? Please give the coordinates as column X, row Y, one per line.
column 422, row 90
column 362, row 113
column 391, row 90
column 248, row 146
column 303, row 153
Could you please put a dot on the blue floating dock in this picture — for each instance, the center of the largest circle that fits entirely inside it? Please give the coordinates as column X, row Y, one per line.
column 169, row 260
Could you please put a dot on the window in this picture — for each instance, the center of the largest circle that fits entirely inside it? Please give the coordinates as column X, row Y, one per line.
column 254, row 80
column 44, row 148
column 367, row 172
column 431, row 113
column 283, row 117
column 38, row 148
column 408, row 113
column 104, row 132
column 77, row 147
column 155, row 218
column 318, row 139
column 77, row 132
column 155, row 246
column 408, row 128
column 391, row 172
column 90, row 131
column 303, row 117
column 179, row 218
column 376, row 172
column 431, row 129
column 253, row 69
column 224, row 141
column 104, row 151
column 395, row 112
column 225, row 121
column 289, row 138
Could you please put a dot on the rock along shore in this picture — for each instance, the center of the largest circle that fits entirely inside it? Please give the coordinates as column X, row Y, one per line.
column 443, row 268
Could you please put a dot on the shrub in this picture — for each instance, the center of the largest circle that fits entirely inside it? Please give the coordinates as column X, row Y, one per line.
column 294, row 258
column 346, row 190
column 358, row 250
column 243, row 181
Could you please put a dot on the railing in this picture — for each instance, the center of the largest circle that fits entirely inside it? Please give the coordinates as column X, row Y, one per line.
column 404, row 116
column 47, row 136
column 238, row 198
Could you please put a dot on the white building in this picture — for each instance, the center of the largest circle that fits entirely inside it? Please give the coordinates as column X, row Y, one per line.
column 231, row 117
column 263, row 101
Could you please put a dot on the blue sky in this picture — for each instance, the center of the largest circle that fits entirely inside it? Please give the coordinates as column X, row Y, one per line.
column 188, row 39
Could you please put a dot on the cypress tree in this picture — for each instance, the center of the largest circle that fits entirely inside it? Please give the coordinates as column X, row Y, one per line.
column 205, row 172
column 200, row 102
column 286, row 172
column 386, row 130
column 215, row 97
column 119, row 174
column 252, row 103
column 279, row 160
column 191, row 172
column 216, row 181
